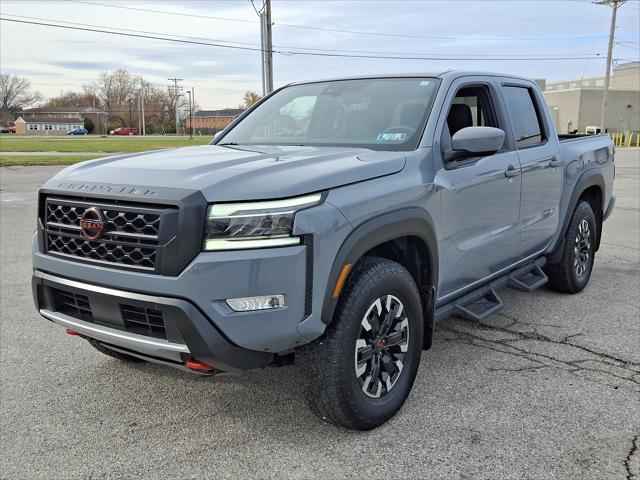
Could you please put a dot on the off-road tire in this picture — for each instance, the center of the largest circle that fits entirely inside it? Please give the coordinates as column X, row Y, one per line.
column 333, row 389
column 563, row 276
column 112, row 353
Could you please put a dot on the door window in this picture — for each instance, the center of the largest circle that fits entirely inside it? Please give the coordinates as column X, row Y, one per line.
column 524, row 115
column 471, row 107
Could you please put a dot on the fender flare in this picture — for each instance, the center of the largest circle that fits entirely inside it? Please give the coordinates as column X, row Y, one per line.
column 588, row 179
column 402, row 223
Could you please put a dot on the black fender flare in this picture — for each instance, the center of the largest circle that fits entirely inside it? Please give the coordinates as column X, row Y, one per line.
column 401, row 223
column 590, row 178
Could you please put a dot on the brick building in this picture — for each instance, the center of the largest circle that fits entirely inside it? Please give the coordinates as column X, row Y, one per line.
column 213, row 120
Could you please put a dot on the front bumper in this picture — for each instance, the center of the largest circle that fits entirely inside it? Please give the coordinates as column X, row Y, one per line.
column 189, row 334
column 610, row 207
column 194, row 300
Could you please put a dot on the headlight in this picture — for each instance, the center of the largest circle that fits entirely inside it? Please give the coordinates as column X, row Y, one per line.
column 234, row 226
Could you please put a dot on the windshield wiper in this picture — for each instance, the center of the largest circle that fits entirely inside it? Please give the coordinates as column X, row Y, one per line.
column 226, row 144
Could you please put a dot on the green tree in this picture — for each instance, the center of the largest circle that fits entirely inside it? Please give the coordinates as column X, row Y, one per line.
column 88, row 124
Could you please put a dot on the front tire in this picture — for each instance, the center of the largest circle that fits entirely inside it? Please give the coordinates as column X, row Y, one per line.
column 361, row 372
column 572, row 273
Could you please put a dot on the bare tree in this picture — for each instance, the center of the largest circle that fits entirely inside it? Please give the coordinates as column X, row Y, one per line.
column 117, row 91
column 16, row 94
column 74, row 99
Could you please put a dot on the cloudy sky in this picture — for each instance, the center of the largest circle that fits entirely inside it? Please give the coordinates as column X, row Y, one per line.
column 442, row 32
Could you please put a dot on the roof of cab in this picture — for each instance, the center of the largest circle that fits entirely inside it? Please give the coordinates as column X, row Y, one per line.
column 445, row 75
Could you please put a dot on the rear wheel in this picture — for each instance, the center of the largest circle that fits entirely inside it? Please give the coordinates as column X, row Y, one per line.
column 361, row 372
column 572, row 273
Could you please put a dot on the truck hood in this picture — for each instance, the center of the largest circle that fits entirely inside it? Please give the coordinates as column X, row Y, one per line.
column 237, row 173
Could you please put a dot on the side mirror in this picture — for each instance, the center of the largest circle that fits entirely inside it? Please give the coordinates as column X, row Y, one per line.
column 476, row 140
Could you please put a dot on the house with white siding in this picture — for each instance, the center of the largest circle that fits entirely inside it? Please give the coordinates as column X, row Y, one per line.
column 47, row 125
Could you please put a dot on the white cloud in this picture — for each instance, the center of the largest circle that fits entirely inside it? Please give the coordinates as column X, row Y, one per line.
column 58, row 59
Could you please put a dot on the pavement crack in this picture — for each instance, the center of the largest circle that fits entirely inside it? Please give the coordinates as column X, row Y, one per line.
column 573, row 367
column 523, row 369
column 543, row 338
column 630, row 454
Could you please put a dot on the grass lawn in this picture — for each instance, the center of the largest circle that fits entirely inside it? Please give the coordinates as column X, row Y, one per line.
column 9, row 160
column 93, row 143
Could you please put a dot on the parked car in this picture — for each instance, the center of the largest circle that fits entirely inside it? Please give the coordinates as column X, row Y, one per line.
column 78, row 131
column 12, row 129
column 4, row 130
column 330, row 225
column 125, row 131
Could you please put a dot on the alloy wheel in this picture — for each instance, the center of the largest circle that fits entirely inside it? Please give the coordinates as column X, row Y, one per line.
column 381, row 347
column 582, row 248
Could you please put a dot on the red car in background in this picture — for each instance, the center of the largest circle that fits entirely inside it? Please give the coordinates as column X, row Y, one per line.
column 125, row 131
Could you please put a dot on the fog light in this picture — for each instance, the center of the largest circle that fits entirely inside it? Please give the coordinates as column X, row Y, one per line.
column 247, row 304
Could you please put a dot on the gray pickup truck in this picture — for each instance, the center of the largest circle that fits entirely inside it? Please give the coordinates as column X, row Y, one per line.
column 331, row 225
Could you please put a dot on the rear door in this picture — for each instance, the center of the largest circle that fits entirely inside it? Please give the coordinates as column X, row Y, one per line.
column 480, row 196
column 541, row 164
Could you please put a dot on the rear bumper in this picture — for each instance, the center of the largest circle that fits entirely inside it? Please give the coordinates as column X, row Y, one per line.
column 188, row 332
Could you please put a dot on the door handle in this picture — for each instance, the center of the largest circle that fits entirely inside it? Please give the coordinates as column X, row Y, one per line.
column 555, row 162
column 511, row 171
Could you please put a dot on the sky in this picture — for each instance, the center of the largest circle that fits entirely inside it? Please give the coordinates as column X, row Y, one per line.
column 57, row 60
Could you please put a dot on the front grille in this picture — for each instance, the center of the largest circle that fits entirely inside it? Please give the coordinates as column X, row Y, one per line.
column 130, row 237
column 72, row 304
column 144, row 321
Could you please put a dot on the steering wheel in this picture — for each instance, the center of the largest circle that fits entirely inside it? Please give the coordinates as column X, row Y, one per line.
column 402, row 129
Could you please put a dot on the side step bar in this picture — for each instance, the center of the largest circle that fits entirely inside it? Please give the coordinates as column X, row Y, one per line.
column 485, row 301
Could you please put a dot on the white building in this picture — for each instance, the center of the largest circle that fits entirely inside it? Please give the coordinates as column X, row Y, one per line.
column 47, row 125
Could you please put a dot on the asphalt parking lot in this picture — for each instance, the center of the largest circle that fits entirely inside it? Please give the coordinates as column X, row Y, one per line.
column 547, row 388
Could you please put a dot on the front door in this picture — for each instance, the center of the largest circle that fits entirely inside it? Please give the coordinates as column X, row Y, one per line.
column 480, row 196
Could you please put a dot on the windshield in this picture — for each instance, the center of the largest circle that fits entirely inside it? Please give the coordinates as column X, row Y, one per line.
column 380, row 114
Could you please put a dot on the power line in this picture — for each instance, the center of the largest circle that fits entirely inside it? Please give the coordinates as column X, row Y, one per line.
column 290, row 47
column 336, row 30
column 292, row 53
column 164, row 12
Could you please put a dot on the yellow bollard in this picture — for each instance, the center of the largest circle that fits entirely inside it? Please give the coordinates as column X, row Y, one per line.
column 629, row 139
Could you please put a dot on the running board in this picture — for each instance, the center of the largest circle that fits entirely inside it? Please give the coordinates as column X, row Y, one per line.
column 485, row 301
column 479, row 305
column 528, row 280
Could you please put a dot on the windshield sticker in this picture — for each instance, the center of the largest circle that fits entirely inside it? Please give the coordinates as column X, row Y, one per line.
column 392, row 137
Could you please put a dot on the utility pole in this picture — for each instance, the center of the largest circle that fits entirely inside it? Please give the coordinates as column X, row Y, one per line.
column 176, row 88
column 267, row 47
column 130, row 121
column 142, row 104
column 190, row 116
column 139, row 112
column 607, row 76
column 193, row 104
